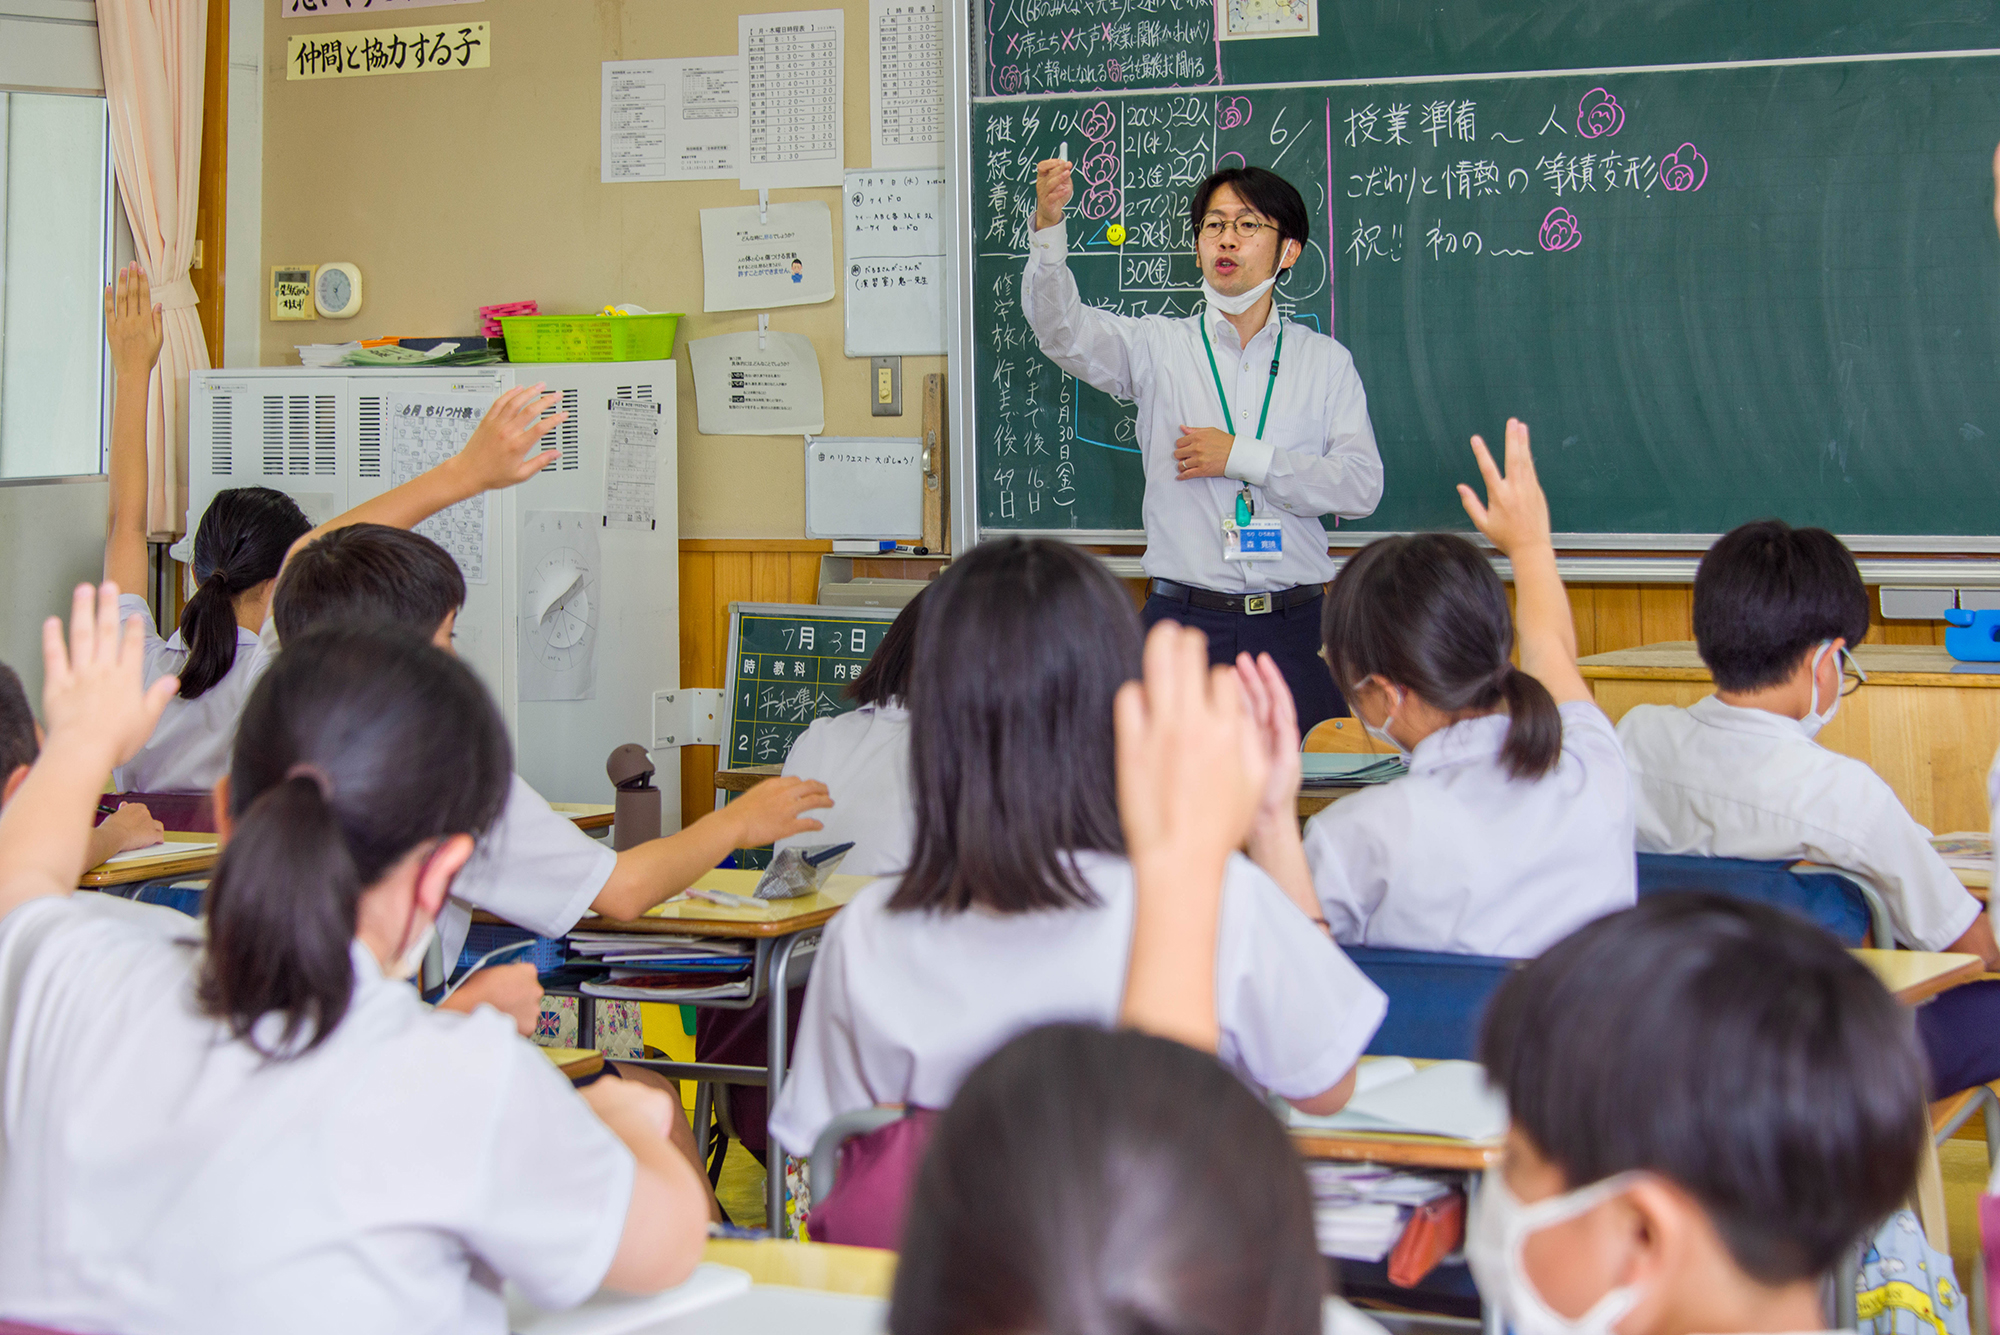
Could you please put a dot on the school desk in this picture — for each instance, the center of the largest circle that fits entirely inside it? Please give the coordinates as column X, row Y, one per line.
column 163, row 865
column 1917, row 975
column 576, row 1063
column 168, row 864
column 866, row 1271
column 1922, row 722
column 779, row 928
column 772, row 1309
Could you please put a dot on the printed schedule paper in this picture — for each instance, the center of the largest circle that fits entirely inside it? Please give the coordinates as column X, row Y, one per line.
column 671, row 120
column 424, row 431
column 792, row 133
column 905, row 83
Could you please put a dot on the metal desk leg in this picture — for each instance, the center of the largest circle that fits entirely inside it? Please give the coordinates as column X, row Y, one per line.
column 774, row 1153
column 704, row 1094
column 1491, row 1322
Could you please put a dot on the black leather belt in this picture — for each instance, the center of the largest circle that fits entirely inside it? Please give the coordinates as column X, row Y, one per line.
column 1244, row 604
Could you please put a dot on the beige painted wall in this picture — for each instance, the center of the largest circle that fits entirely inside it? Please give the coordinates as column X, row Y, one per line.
column 456, row 190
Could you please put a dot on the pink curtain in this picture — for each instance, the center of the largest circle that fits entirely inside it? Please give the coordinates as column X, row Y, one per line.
column 153, row 64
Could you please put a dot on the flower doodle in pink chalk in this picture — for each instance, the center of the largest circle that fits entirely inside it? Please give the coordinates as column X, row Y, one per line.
column 1008, row 79
column 1096, row 123
column 1599, row 114
column 1114, row 70
column 1684, row 169
column 1236, row 111
column 1561, row 231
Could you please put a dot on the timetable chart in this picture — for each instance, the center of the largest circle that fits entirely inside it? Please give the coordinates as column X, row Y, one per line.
column 790, row 665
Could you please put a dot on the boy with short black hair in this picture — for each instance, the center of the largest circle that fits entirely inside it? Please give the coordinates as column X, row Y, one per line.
column 1711, row 1102
column 131, row 826
column 1738, row 774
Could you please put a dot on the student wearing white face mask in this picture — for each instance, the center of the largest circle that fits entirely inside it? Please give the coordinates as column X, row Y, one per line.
column 1514, row 825
column 1691, row 1148
column 1251, row 427
column 1738, row 774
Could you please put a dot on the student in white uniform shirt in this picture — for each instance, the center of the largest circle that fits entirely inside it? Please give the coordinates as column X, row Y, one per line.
column 267, row 1130
column 1017, row 907
column 1514, row 824
column 1251, row 427
column 1739, row 774
column 863, row 758
column 238, row 548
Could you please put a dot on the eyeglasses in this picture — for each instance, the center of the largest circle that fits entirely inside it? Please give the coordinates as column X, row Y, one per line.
column 1852, row 677
column 1246, row 229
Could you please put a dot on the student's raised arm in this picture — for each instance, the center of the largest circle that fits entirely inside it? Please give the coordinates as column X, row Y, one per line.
column 1515, row 518
column 99, row 712
column 132, row 329
column 494, row 458
column 657, row 870
column 1191, row 779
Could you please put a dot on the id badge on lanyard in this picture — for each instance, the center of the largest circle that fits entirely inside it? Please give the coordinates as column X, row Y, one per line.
column 1244, row 536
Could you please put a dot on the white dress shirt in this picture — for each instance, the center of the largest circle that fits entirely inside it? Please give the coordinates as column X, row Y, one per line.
column 863, row 758
column 1721, row 781
column 1316, row 455
column 189, row 748
column 902, row 1005
column 1459, row 856
column 158, row 1175
column 534, row 868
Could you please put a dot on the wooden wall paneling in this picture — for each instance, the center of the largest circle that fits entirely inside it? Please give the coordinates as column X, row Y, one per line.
column 1583, row 615
column 1666, row 612
column 1619, row 623
column 701, row 663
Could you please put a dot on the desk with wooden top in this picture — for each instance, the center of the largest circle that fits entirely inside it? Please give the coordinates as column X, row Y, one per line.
column 1925, row 722
column 822, row 1266
column 778, row 929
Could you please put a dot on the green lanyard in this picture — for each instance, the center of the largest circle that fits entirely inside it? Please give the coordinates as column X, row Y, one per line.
column 1245, row 508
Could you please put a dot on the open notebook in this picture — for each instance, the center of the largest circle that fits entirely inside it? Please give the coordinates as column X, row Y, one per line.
column 1336, row 769
column 1439, row 1099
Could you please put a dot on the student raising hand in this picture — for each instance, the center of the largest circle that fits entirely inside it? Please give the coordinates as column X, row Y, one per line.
column 1192, row 776
column 1515, row 519
column 99, row 712
column 132, row 324
column 1275, row 843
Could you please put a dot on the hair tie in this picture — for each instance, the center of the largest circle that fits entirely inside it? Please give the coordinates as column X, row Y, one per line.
column 323, row 781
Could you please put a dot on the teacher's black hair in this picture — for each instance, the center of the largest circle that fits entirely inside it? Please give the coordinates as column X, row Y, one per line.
column 1426, row 612
column 1274, row 199
column 1767, row 594
column 1733, row 1049
column 886, row 679
column 1110, row 1181
column 1022, row 646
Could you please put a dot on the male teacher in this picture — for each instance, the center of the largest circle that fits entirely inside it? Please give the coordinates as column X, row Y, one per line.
column 1250, row 426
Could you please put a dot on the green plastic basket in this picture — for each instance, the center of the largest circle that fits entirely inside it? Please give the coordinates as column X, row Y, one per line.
column 589, row 338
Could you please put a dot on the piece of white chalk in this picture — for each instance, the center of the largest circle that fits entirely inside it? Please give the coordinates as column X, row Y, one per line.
column 1063, row 152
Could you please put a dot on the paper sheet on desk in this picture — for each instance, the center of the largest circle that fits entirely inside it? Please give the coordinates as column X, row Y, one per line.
column 1443, row 1099
column 615, row 1313
column 164, row 849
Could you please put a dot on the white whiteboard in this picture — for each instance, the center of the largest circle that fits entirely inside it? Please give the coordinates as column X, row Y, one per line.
column 864, row 487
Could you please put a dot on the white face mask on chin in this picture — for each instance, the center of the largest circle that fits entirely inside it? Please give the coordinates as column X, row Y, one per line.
column 412, row 958
column 1381, row 732
column 1494, row 1236
column 1239, row 303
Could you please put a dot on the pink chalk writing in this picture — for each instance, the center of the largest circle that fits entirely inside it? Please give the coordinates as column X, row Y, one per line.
column 1599, row 114
column 1561, row 231
column 1236, row 111
column 1684, row 169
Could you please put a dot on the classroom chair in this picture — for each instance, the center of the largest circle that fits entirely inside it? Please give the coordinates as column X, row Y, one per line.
column 1824, row 897
column 1435, row 999
column 875, row 1152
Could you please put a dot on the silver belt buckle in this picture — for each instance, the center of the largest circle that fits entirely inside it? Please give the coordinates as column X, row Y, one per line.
column 1256, row 604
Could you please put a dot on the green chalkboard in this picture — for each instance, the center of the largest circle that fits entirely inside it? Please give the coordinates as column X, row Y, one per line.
column 790, row 664
column 1714, row 293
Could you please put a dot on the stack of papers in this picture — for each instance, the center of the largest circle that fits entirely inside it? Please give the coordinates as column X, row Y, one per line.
column 1396, row 1095
column 1333, row 769
column 663, row 968
column 324, row 354
column 1361, row 1209
column 1971, row 850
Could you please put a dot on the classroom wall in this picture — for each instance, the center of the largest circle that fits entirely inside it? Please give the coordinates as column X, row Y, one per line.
column 51, row 540
column 457, row 190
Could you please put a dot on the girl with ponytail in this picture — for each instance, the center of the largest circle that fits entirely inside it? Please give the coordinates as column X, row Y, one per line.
column 273, row 1113
column 1514, row 825
column 238, row 547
